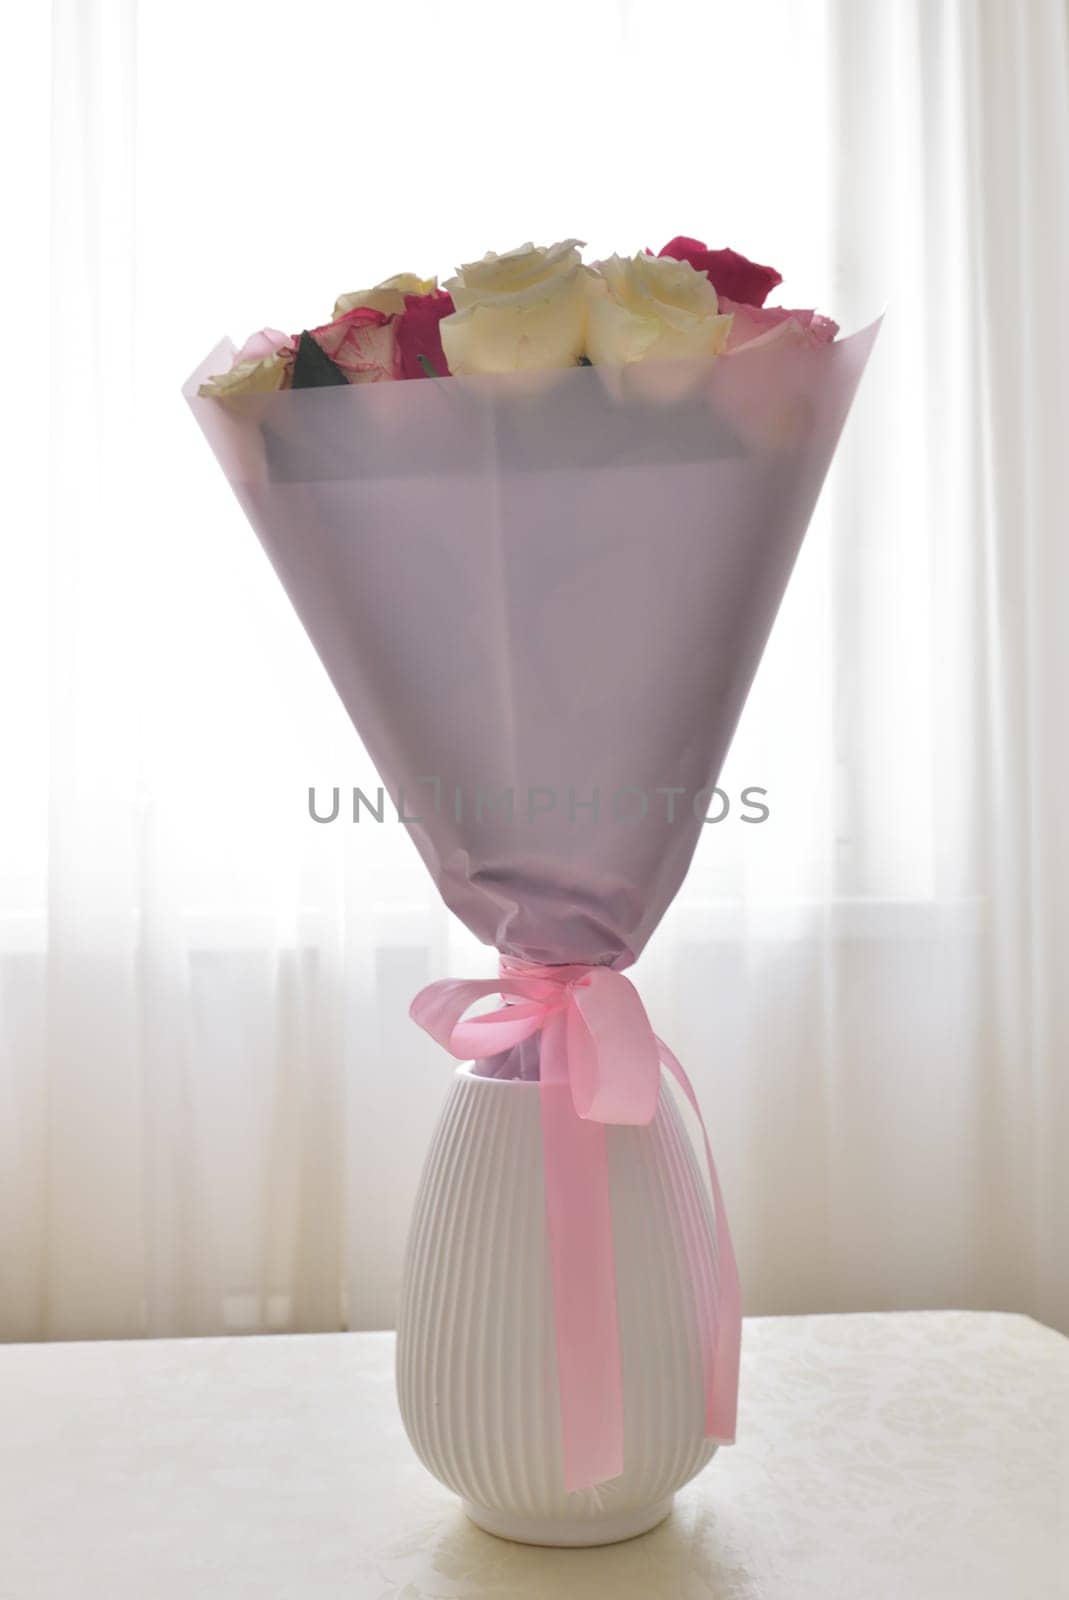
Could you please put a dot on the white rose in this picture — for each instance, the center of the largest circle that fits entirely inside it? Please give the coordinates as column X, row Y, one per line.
column 387, row 297
column 252, row 377
column 652, row 308
column 518, row 312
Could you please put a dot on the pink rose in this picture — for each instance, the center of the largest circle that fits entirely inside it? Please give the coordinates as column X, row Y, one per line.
column 419, row 334
column 267, row 342
column 756, row 327
column 362, row 344
column 729, row 273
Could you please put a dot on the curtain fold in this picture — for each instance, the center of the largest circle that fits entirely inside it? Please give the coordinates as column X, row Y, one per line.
column 213, row 1108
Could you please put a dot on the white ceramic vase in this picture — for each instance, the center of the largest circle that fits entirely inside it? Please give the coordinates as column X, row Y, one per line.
column 476, row 1357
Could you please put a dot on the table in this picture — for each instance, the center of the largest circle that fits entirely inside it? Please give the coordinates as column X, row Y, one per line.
column 904, row 1456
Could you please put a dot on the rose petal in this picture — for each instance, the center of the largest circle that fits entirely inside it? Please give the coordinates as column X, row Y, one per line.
column 387, row 297
column 730, row 273
column 754, row 326
column 264, row 376
column 266, row 342
column 419, row 333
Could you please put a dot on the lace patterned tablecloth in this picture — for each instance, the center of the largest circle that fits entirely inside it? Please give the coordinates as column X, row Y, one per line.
column 906, row 1456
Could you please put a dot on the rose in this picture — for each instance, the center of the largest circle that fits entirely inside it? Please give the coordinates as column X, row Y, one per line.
column 419, row 333
column 262, row 365
column 387, row 297
column 264, row 343
column 362, row 343
column 381, row 333
column 249, row 377
column 651, row 308
column 729, row 273
column 520, row 311
column 757, row 327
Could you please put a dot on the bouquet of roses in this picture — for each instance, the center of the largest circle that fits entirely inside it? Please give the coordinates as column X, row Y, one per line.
column 527, row 309
column 541, row 589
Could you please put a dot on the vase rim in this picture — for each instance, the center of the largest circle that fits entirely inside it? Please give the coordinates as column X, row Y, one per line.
column 466, row 1069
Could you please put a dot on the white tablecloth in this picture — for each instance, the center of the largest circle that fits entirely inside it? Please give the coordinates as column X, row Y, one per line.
column 919, row 1456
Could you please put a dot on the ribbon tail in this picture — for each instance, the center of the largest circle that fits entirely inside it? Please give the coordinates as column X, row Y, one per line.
column 579, row 1225
column 722, row 1371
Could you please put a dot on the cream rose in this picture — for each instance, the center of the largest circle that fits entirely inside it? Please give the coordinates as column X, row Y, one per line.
column 652, row 308
column 518, row 312
column 387, row 297
column 262, row 365
column 251, row 377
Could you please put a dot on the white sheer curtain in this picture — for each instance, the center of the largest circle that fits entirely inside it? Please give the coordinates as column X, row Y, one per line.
column 212, row 1105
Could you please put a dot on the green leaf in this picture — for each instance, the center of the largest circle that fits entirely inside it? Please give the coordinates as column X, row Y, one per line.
column 312, row 368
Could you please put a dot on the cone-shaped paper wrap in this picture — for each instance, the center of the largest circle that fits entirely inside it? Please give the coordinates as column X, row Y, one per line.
column 542, row 598
column 552, row 588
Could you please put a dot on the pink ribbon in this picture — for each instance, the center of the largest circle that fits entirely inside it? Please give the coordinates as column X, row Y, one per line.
column 600, row 1063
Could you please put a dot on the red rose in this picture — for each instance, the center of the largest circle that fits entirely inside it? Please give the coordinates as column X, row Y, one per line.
column 729, row 273
column 418, row 333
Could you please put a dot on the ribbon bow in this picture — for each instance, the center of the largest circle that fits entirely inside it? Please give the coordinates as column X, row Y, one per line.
column 599, row 1063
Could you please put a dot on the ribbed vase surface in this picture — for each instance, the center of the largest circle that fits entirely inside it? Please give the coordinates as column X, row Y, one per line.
column 476, row 1357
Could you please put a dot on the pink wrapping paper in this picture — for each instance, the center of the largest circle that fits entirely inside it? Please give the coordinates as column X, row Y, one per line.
column 552, row 581
column 556, row 585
